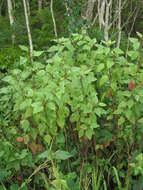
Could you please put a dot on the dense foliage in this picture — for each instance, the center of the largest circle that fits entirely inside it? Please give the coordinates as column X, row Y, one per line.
column 71, row 94
column 73, row 118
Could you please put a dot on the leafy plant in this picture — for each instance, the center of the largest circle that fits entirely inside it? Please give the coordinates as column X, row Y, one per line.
column 80, row 109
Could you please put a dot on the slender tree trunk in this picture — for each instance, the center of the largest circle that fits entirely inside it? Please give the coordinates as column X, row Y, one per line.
column 28, row 7
column 53, row 18
column 101, row 12
column 119, row 24
column 89, row 11
column 11, row 18
column 28, row 30
column 106, row 25
column 39, row 5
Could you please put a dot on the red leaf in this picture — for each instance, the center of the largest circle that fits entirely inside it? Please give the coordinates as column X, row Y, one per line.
column 19, row 139
column 131, row 85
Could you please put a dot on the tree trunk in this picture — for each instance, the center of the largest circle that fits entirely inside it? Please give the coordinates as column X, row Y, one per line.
column 28, row 7
column 28, row 30
column 101, row 12
column 106, row 25
column 89, row 11
column 11, row 18
column 53, row 18
column 119, row 24
column 39, row 5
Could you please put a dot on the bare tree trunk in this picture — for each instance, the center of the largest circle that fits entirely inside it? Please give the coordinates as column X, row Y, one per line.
column 53, row 18
column 119, row 24
column 11, row 18
column 89, row 11
column 107, row 15
column 101, row 12
column 39, row 5
column 28, row 7
column 28, row 30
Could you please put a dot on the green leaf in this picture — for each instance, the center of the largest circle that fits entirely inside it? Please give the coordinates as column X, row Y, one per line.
column 110, row 63
column 52, row 106
column 25, row 104
column 48, row 139
column 139, row 34
column 25, row 125
column 102, row 104
column 135, row 43
column 103, row 79
column 37, row 53
column 130, row 103
column 133, row 55
column 53, row 49
column 60, row 138
column 45, row 154
column 42, row 128
column 61, row 120
column 30, row 93
column 34, row 133
column 140, row 120
column 37, row 107
column 81, row 133
column 14, row 187
column 62, row 155
column 4, row 90
column 100, row 67
column 23, row 60
column 118, row 51
column 89, row 133
column 121, row 120
column 24, row 48
column 8, row 79
column 1, row 153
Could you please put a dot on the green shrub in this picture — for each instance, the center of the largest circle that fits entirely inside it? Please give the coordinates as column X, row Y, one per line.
column 84, row 103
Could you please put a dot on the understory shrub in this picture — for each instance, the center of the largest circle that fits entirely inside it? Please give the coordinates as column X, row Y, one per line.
column 76, row 120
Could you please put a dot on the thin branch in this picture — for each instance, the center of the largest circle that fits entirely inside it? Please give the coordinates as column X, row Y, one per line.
column 116, row 14
column 94, row 20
